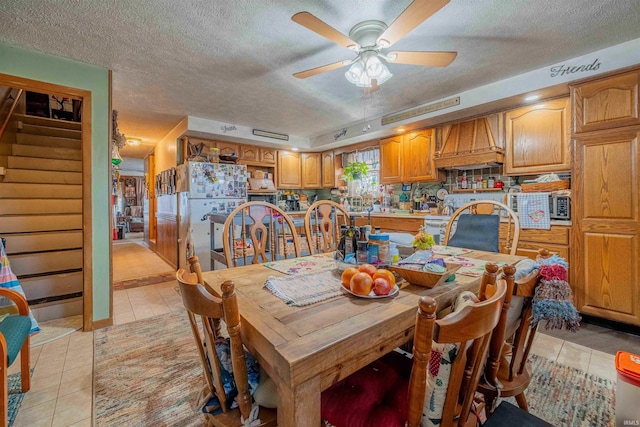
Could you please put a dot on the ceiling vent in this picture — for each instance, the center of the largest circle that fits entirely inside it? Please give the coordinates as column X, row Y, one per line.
column 473, row 144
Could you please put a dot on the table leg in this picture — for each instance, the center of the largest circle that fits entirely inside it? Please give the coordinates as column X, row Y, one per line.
column 299, row 406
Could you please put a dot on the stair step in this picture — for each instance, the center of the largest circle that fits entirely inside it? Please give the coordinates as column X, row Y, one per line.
column 47, row 141
column 40, row 191
column 42, row 121
column 48, row 131
column 42, row 177
column 48, row 152
column 20, row 243
column 39, row 206
column 35, row 223
column 41, row 163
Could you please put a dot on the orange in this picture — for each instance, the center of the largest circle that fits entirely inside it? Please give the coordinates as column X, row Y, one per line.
column 347, row 274
column 385, row 274
column 361, row 284
column 367, row 268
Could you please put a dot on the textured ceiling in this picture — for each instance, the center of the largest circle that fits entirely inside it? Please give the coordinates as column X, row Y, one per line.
column 233, row 60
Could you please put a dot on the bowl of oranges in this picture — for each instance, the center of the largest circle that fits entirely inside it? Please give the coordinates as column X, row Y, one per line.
column 368, row 281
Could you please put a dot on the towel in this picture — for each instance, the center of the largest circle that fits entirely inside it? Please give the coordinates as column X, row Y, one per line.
column 533, row 210
column 304, row 289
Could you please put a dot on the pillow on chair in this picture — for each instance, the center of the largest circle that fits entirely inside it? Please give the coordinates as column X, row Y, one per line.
column 477, row 231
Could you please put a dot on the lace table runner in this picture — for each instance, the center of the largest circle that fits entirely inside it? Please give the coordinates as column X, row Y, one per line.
column 305, row 289
column 303, row 265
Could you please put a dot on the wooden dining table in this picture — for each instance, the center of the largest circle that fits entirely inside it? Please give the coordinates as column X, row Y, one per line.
column 307, row 349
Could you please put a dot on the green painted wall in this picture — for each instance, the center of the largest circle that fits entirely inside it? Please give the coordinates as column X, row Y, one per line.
column 56, row 70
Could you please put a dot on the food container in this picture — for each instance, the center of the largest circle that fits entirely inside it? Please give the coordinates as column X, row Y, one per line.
column 379, row 248
column 498, row 184
column 627, row 388
column 424, row 278
column 258, row 174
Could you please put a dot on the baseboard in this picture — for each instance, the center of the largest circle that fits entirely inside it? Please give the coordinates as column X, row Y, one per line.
column 104, row 323
column 618, row 326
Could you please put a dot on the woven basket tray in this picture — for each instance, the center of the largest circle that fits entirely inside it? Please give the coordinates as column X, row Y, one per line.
column 424, row 278
column 546, row 186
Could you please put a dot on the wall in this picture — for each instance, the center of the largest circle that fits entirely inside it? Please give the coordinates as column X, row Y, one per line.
column 131, row 167
column 47, row 68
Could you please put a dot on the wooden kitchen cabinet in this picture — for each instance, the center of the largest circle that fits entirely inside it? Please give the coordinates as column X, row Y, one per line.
column 556, row 240
column 252, row 155
column 249, row 153
column 331, row 170
column 388, row 224
column 228, row 148
column 267, row 155
column 289, row 169
column 311, row 170
column 537, row 139
column 408, row 158
column 607, row 103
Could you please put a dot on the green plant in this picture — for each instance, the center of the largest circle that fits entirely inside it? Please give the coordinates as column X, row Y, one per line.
column 355, row 170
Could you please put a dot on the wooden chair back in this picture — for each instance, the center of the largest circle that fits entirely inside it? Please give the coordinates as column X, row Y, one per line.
column 322, row 226
column 507, row 372
column 490, row 207
column 257, row 232
column 199, row 302
column 470, row 328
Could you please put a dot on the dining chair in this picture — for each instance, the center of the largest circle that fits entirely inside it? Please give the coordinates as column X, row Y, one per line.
column 14, row 339
column 508, row 371
column 199, row 302
column 257, row 232
column 322, row 226
column 437, row 385
column 477, row 226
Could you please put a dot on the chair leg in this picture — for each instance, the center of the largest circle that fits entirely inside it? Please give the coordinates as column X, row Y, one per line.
column 25, row 374
column 522, row 402
column 4, row 399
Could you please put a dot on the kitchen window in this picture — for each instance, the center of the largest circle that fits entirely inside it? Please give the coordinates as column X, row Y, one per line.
column 369, row 186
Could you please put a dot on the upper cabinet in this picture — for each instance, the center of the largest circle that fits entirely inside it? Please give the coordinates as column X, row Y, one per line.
column 252, row 155
column 473, row 142
column 228, row 148
column 267, row 155
column 607, row 103
column 311, row 170
column 331, row 170
column 538, row 138
column 408, row 158
column 418, row 151
column 289, row 169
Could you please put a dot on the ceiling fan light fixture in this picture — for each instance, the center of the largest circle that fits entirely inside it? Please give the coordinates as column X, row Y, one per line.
column 367, row 68
column 133, row 142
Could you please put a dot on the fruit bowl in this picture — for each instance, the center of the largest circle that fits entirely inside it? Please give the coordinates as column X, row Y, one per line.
column 424, row 278
column 372, row 295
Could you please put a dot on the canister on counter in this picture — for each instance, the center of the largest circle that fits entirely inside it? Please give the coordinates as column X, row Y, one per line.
column 378, row 252
column 491, row 182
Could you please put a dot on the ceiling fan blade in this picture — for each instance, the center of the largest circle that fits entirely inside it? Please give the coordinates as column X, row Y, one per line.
column 317, row 26
column 416, row 13
column 432, row 59
column 318, row 70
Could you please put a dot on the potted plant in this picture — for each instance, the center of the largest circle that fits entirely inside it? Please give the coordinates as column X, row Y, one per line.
column 355, row 170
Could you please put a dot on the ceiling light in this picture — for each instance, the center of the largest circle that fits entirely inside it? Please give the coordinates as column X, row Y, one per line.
column 294, row 149
column 368, row 67
column 134, row 142
column 531, row 98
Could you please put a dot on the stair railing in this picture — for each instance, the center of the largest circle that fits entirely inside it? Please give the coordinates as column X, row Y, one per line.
column 5, row 123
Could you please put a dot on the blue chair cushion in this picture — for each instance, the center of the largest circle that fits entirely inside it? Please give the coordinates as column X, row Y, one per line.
column 477, row 231
column 15, row 330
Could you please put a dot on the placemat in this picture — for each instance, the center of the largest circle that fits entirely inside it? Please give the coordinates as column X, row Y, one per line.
column 470, row 266
column 304, row 289
column 303, row 265
column 449, row 250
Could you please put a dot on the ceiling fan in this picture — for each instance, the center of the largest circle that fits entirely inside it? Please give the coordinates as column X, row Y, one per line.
column 369, row 38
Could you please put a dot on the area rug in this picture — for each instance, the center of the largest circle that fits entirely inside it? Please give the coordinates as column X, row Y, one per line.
column 565, row 396
column 147, row 373
column 52, row 330
column 15, row 396
column 144, row 281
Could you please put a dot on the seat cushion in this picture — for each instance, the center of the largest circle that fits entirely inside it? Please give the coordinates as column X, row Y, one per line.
column 477, row 231
column 15, row 330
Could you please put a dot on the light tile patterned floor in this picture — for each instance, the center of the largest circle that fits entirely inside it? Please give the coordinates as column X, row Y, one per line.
column 61, row 389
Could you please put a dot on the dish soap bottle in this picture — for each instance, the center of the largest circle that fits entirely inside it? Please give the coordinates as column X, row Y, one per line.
column 464, row 184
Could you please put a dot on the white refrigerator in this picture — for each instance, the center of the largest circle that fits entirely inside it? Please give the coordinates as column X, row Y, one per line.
column 205, row 188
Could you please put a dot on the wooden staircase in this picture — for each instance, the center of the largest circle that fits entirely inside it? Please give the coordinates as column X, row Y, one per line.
column 41, row 212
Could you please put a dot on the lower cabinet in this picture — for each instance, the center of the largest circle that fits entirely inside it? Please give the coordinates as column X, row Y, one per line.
column 555, row 240
column 399, row 224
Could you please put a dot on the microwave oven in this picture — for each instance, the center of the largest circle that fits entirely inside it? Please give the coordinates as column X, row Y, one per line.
column 559, row 206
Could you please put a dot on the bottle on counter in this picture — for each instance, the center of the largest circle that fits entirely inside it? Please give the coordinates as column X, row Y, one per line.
column 364, row 236
column 377, row 230
column 464, row 184
column 343, row 240
column 394, row 253
column 491, row 182
column 362, row 254
column 379, row 249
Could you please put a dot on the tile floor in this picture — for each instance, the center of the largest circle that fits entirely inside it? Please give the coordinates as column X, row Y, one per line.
column 61, row 388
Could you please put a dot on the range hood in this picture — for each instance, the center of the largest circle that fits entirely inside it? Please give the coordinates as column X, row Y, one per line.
column 474, row 144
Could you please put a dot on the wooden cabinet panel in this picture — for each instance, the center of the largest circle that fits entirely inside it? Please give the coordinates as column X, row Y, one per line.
column 538, row 139
column 289, row 169
column 557, row 234
column 391, row 160
column 268, row 155
column 249, row 153
column 386, row 224
column 530, row 250
column 418, row 151
column 311, row 170
column 329, row 170
column 607, row 103
column 606, row 204
column 228, row 148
